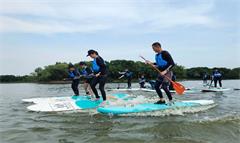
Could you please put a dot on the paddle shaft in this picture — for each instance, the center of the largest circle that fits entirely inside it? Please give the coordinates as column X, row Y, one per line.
column 211, row 83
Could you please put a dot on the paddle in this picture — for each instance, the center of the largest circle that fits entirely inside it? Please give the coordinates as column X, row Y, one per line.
column 119, row 83
column 211, row 83
column 179, row 88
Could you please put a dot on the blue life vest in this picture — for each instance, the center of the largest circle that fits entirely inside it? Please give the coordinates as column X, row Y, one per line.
column 95, row 66
column 73, row 74
column 217, row 74
column 160, row 61
column 84, row 72
column 128, row 74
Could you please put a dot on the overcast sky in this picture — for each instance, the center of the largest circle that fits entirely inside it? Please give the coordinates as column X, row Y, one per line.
column 36, row 33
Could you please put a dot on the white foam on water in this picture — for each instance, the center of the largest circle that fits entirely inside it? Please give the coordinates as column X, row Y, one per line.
column 176, row 111
column 224, row 118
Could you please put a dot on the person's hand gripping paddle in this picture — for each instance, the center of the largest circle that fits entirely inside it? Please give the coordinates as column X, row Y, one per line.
column 179, row 88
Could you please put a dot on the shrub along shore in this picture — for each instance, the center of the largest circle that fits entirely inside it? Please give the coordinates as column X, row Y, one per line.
column 57, row 72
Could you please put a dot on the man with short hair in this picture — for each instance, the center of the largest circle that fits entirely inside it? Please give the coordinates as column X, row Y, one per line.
column 164, row 63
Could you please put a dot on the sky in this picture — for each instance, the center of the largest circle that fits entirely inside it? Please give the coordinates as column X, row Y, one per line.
column 197, row 33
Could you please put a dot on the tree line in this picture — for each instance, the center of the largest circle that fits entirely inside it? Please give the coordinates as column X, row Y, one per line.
column 59, row 71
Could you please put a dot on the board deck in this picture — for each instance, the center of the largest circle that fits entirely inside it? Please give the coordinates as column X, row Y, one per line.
column 54, row 104
column 63, row 98
column 53, row 99
column 215, row 89
column 149, row 107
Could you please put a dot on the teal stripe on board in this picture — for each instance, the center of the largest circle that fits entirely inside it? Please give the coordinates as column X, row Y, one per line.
column 143, row 108
column 86, row 103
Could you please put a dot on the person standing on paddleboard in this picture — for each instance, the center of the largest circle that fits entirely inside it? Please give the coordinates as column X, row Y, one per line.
column 128, row 75
column 164, row 63
column 142, row 81
column 87, row 73
column 74, row 74
column 205, row 78
column 100, row 71
column 217, row 77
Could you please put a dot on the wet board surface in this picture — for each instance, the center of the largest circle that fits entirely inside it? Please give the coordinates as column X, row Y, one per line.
column 149, row 107
column 215, row 89
column 54, row 99
column 55, row 104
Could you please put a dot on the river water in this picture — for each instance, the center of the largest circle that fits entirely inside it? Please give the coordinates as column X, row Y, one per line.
column 217, row 124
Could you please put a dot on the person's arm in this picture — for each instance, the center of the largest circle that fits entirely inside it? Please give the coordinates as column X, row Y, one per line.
column 102, row 66
column 121, row 72
column 121, row 76
column 78, row 75
column 89, row 71
column 168, row 58
column 150, row 63
column 68, row 77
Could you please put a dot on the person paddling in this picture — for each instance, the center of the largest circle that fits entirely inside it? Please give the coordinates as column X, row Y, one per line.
column 87, row 73
column 164, row 63
column 205, row 78
column 74, row 74
column 142, row 81
column 100, row 71
column 128, row 75
column 217, row 77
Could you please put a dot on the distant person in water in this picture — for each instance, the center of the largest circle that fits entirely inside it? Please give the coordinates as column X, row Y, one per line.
column 173, row 79
column 142, row 81
column 128, row 75
column 217, row 77
column 164, row 63
column 100, row 71
column 205, row 78
column 152, row 84
column 87, row 74
column 74, row 74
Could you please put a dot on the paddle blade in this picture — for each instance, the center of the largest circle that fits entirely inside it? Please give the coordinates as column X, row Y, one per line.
column 179, row 88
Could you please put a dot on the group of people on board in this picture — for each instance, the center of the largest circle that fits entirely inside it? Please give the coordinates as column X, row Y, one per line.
column 97, row 74
column 215, row 77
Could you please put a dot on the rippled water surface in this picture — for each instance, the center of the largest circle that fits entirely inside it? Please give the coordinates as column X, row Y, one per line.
column 218, row 124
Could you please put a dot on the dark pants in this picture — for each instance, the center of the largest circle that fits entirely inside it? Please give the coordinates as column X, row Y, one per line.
column 101, row 80
column 219, row 80
column 129, row 82
column 75, row 86
column 171, row 86
column 163, row 83
column 142, row 85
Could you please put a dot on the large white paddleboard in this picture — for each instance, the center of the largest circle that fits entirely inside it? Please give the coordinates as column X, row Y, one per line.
column 215, row 89
column 54, row 99
column 150, row 107
column 55, row 104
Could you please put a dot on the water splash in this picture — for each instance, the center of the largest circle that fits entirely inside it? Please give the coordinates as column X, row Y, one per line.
column 168, row 112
